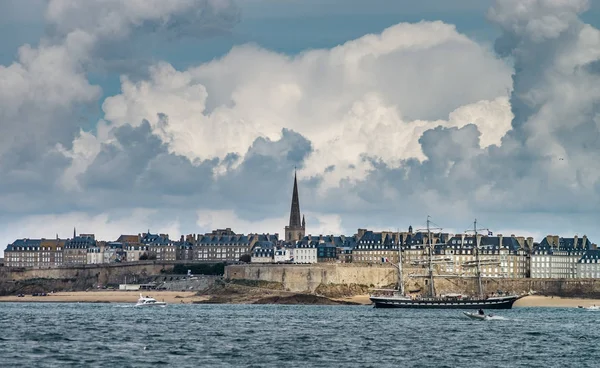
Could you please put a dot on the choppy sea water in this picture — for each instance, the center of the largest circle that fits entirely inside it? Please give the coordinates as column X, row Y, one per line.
column 113, row 335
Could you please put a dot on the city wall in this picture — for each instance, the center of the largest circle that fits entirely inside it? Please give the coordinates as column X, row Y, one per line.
column 297, row 278
column 97, row 274
column 307, row 278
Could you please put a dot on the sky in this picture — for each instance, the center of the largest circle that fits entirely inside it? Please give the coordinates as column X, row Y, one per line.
column 119, row 117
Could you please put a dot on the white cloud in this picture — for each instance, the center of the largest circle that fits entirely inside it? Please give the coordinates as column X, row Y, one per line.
column 370, row 108
column 557, row 97
column 366, row 97
column 39, row 90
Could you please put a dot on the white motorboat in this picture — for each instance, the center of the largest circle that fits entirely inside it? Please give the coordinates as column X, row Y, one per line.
column 477, row 316
column 146, row 301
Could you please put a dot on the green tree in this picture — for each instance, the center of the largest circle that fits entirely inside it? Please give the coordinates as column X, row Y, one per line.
column 245, row 258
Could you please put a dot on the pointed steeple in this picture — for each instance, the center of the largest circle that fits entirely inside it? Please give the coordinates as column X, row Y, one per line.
column 295, row 210
column 303, row 222
column 74, row 232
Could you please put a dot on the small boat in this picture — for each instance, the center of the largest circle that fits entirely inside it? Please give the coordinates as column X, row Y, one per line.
column 478, row 316
column 146, row 301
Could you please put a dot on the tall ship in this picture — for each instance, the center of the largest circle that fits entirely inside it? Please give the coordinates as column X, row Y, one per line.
column 397, row 298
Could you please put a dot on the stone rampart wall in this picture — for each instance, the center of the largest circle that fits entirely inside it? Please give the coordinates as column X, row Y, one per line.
column 102, row 274
column 306, row 278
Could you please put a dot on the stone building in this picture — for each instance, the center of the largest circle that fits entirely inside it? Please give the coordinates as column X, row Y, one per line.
column 115, row 252
column 76, row 249
column 296, row 229
column 321, row 248
column 23, row 253
column 95, row 253
column 344, row 245
column 305, row 251
column 160, row 247
column 184, row 248
column 557, row 257
column 51, row 252
column 499, row 256
column 132, row 246
column 376, row 247
column 45, row 253
column 588, row 266
column 263, row 252
column 215, row 247
column 283, row 255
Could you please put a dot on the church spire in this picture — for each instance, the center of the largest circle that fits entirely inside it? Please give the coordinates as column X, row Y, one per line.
column 295, row 231
column 74, row 232
column 295, row 210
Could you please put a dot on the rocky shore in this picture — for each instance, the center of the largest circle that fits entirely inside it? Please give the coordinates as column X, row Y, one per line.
column 263, row 293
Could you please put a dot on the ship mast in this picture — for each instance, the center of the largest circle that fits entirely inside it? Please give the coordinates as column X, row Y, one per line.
column 400, row 279
column 430, row 251
column 477, row 262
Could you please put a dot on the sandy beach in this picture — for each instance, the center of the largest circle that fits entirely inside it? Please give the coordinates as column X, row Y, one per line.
column 558, row 302
column 108, row 296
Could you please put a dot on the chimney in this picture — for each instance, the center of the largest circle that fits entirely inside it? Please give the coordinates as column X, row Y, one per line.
column 361, row 232
column 575, row 242
column 584, row 240
column 529, row 243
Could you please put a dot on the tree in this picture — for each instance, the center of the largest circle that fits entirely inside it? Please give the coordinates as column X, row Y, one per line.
column 143, row 257
column 245, row 258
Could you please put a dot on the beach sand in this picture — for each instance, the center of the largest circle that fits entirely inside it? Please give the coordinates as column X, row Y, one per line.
column 109, row 296
column 558, row 302
column 359, row 299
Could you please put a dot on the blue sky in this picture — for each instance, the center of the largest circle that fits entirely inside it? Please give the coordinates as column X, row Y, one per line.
column 221, row 107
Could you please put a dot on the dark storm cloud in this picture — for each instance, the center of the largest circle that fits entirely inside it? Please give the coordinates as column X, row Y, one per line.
column 136, row 169
column 263, row 179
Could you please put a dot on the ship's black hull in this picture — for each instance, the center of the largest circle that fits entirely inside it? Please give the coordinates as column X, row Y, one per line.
column 493, row 303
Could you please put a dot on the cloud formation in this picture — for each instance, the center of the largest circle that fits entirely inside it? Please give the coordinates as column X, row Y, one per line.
column 383, row 129
column 369, row 96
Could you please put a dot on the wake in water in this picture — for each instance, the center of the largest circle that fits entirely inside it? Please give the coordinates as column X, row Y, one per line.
column 124, row 306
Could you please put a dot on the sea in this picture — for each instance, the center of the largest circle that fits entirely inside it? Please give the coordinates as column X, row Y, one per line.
column 115, row 335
